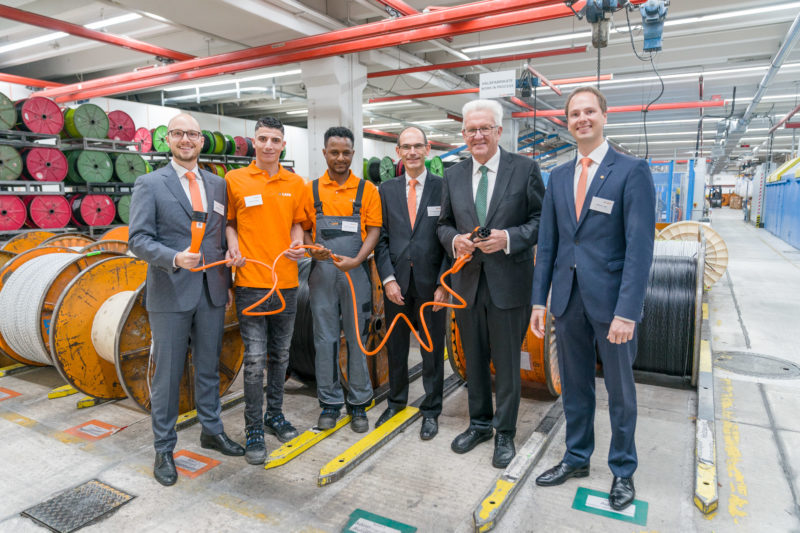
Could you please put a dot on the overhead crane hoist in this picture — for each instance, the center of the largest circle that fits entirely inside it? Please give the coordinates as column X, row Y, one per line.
column 597, row 14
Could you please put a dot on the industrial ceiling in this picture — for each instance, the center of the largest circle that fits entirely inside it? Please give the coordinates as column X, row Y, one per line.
column 711, row 51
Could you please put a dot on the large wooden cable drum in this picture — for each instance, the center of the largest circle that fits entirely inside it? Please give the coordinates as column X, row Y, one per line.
column 25, row 241
column 68, row 240
column 716, row 251
column 538, row 357
column 119, row 233
column 107, row 245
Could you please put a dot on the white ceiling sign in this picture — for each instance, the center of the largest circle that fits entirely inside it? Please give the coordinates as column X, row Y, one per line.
column 498, row 84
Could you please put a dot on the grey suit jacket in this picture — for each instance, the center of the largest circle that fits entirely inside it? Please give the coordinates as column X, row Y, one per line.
column 516, row 206
column 159, row 228
column 400, row 246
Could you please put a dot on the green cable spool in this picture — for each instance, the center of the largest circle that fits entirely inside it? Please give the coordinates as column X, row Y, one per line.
column 148, row 167
column 365, row 169
column 374, row 170
column 283, row 154
column 128, row 167
column 10, row 163
column 387, row 170
column 208, row 142
column 436, row 166
column 8, row 113
column 86, row 120
column 219, row 142
column 124, row 208
column 428, row 165
column 91, row 167
column 230, row 145
column 160, row 139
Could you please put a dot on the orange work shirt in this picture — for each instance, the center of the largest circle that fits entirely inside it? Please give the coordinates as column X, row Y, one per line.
column 337, row 201
column 265, row 208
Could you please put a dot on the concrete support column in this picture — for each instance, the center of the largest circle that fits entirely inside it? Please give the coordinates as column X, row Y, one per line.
column 508, row 141
column 333, row 86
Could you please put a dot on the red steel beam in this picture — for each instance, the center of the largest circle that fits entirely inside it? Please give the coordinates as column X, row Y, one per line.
column 28, row 82
column 486, row 61
column 474, row 90
column 790, row 125
column 784, row 119
column 544, row 80
column 517, row 101
column 451, row 21
column 404, row 9
column 33, row 19
column 628, row 108
column 457, row 118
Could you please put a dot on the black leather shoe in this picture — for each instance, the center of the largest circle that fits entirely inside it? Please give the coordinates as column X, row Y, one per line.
column 429, row 429
column 560, row 473
column 164, row 469
column 622, row 493
column 386, row 415
column 469, row 439
column 221, row 443
column 504, row 450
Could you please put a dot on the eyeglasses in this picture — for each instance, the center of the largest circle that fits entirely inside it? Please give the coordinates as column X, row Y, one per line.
column 178, row 134
column 485, row 130
column 408, row 147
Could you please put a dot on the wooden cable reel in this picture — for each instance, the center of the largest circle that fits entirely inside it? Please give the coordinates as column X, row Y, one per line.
column 119, row 233
column 68, row 240
column 541, row 355
column 108, row 245
column 716, row 251
column 26, row 240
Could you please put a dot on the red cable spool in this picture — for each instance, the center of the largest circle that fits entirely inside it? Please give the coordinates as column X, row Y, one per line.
column 120, row 126
column 251, row 147
column 47, row 211
column 39, row 115
column 92, row 209
column 12, row 213
column 400, row 169
column 44, row 164
column 241, row 145
column 144, row 136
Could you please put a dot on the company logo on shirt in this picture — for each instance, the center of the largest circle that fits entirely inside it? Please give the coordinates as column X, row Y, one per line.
column 285, row 194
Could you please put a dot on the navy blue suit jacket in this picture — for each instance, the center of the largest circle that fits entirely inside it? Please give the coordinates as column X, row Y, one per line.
column 608, row 253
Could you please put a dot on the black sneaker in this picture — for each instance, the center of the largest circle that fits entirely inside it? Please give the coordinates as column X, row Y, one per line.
column 255, row 451
column 359, row 422
column 327, row 418
column 280, row 427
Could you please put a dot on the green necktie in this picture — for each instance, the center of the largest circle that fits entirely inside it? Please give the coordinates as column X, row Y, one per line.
column 480, row 197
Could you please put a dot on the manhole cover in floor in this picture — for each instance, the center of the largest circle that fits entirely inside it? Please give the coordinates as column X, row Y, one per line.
column 758, row 365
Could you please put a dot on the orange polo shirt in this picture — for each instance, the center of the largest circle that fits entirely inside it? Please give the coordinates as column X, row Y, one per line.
column 265, row 208
column 338, row 201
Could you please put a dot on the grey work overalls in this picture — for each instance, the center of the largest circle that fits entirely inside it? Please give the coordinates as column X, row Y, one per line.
column 332, row 307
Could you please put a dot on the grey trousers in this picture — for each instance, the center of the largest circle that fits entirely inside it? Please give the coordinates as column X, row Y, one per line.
column 332, row 309
column 171, row 333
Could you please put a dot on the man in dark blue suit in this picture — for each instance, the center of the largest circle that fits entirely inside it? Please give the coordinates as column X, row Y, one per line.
column 410, row 261
column 595, row 247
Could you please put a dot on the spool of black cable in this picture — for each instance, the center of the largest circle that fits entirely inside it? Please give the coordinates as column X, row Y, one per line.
column 667, row 333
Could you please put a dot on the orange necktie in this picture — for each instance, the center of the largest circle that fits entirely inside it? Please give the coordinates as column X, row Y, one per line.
column 412, row 200
column 580, row 194
column 198, row 227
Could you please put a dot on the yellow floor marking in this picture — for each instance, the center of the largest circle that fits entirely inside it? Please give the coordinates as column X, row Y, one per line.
column 705, row 311
column 10, row 369
column 705, row 356
column 244, row 508
column 730, row 429
column 495, row 500
column 60, row 392
column 66, row 438
column 18, row 419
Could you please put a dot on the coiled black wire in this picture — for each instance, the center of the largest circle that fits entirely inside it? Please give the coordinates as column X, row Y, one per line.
column 666, row 333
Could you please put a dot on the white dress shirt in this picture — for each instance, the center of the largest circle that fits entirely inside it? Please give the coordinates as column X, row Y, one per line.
column 181, row 171
column 419, row 187
column 597, row 155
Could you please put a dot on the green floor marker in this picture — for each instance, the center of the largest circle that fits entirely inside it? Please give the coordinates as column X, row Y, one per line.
column 596, row 502
column 361, row 521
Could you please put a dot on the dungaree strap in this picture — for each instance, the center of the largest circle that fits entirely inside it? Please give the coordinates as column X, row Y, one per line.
column 357, row 201
column 317, row 201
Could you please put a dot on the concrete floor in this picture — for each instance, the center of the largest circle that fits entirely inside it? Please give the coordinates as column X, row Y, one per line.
column 424, row 484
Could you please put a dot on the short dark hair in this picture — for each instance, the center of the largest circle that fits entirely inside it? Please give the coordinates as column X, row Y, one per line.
column 271, row 123
column 601, row 99
column 340, row 131
column 424, row 137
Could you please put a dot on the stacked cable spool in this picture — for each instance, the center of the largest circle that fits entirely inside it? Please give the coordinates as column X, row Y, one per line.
column 97, row 334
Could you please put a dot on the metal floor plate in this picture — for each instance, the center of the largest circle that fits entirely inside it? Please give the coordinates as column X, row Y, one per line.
column 78, row 506
column 758, row 365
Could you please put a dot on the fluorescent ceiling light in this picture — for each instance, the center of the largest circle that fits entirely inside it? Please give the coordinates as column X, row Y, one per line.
column 652, row 134
column 652, row 122
column 297, row 112
column 234, row 80
column 437, row 121
column 396, row 102
column 658, row 142
column 215, row 93
column 385, row 125
column 528, row 42
column 60, row 34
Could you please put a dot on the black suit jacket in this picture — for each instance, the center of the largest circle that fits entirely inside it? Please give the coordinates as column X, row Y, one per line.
column 516, row 206
column 400, row 246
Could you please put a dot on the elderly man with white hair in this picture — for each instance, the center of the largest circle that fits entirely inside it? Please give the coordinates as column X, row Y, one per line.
column 501, row 193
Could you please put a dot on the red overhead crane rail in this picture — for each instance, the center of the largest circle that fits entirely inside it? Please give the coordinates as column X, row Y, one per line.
column 26, row 17
column 785, row 119
column 28, row 82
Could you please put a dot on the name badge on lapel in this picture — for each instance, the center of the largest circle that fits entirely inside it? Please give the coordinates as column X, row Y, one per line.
column 349, row 226
column 219, row 208
column 434, row 210
column 602, row 205
column 250, row 201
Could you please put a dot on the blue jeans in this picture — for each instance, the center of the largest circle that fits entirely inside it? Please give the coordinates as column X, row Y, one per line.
column 266, row 345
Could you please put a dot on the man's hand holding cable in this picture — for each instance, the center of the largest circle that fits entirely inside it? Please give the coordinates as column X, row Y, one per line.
column 392, row 291
column 295, row 252
column 234, row 257
column 439, row 296
column 320, row 255
column 346, row 264
column 463, row 245
column 187, row 259
column 495, row 242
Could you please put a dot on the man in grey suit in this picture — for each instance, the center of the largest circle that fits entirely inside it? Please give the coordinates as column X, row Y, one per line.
column 410, row 261
column 501, row 192
column 186, row 309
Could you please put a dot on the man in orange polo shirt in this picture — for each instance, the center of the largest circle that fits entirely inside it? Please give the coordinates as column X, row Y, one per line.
column 265, row 211
column 345, row 218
